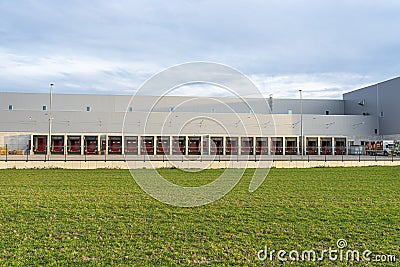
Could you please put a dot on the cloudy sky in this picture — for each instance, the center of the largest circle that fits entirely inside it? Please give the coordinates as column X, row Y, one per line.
column 322, row 47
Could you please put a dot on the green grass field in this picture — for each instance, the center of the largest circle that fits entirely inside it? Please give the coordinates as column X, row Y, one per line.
column 101, row 217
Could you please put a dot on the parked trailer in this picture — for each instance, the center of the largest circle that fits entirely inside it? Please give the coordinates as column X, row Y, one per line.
column 381, row 148
column 388, row 147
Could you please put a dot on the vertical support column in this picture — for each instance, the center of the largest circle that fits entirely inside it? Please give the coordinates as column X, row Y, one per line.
column 49, row 147
column 139, row 144
column 298, row 145
column 284, row 145
column 155, row 145
column 186, row 145
column 223, row 145
column 208, row 145
column 82, row 144
column 65, row 144
column 122, row 144
column 170, row 145
column 254, row 145
column 201, row 145
column 333, row 145
column 99, row 144
column 106, row 152
column 239, row 145
column 31, row 149
column 319, row 145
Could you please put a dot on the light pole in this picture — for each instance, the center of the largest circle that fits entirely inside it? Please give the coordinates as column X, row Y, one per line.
column 50, row 121
column 301, row 123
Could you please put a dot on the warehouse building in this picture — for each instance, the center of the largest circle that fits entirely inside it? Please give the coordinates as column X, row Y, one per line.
column 175, row 125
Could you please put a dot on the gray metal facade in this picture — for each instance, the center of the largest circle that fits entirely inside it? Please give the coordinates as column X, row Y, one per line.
column 121, row 103
column 380, row 101
column 356, row 116
column 29, row 112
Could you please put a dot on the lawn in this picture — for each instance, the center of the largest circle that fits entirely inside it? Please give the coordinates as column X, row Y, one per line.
column 102, row 217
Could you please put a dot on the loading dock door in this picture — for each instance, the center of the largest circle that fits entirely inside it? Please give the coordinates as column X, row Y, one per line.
column 90, row 145
column 40, row 144
column 57, row 144
column 162, row 145
column 247, row 146
column 217, row 146
column 114, row 144
column 340, row 146
column 261, row 145
column 131, row 145
column 178, row 145
column 291, row 146
column 277, row 145
column 326, row 146
column 147, row 145
column 74, row 145
column 231, row 146
column 194, row 145
column 312, row 145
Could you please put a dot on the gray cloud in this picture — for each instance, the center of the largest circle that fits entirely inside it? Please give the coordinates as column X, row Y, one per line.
column 324, row 47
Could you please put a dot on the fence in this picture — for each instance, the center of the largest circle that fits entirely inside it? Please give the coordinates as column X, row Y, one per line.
column 17, row 152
